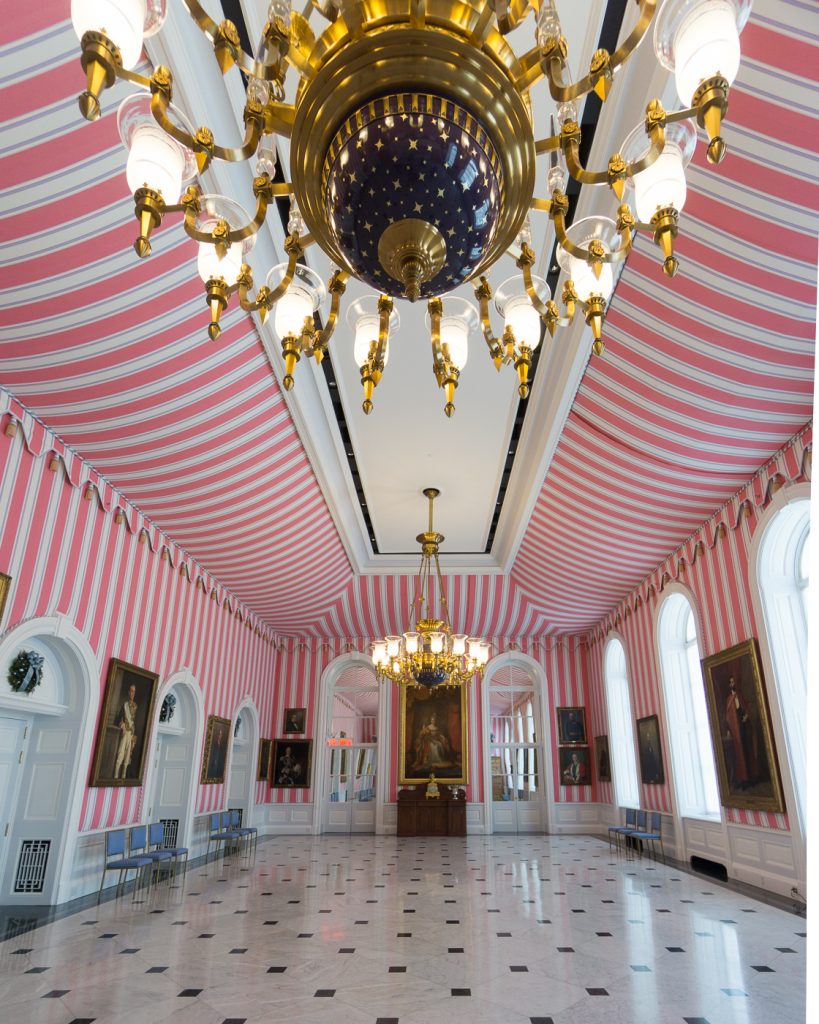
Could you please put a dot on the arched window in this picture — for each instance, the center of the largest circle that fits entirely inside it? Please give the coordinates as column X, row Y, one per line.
column 784, row 578
column 621, row 730
column 692, row 754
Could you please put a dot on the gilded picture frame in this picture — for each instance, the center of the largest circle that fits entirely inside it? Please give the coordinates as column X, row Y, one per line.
column 575, row 766
column 215, row 752
column 747, row 767
column 571, row 726
column 602, row 758
column 124, row 726
column 433, row 735
column 5, row 587
column 650, row 751
column 263, row 767
column 295, row 720
column 292, row 764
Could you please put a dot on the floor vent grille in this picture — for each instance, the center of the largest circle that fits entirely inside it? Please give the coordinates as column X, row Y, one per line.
column 31, row 867
column 170, row 831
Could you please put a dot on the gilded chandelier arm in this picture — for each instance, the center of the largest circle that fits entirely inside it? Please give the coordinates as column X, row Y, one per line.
column 625, row 223
column 603, row 64
column 336, row 287
column 510, row 13
column 294, row 250
column 202, row 142
column 223, row 234
column 483, row 293
column 228, row 48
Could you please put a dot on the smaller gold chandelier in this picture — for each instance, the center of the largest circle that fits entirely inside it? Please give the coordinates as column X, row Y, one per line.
column 429, row 653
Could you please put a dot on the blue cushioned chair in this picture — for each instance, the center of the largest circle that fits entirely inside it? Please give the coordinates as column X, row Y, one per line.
column 116, row 860
column 219, row 833
column 250, row 832
column 138, row 844
column 160, row 852
column 639, row 830
column 619, row 830
column 653, row 834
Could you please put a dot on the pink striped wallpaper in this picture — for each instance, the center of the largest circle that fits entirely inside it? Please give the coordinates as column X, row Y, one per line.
column 300, row 663
column 74, row 546
column 714, row 565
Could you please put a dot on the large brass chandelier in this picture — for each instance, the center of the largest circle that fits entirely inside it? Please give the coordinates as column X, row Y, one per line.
column 413, row 162
column 429, row 653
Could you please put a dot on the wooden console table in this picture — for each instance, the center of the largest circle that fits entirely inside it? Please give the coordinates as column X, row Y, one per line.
column 418, row 816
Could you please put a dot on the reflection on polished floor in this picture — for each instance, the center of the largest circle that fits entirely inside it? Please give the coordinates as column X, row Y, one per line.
column 376, row 930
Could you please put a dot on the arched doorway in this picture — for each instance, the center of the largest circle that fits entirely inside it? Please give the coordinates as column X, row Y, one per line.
column 45, row 748
column 351, row 720
column 171, row 788
column 517, row 776
column 242, row 762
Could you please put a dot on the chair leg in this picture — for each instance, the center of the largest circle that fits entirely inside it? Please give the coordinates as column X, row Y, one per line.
column 102, row 880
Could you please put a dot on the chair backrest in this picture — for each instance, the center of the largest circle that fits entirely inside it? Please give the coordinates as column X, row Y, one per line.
column 156, row 833
column 656, row 821
column 115, row 842
column 631, row 816
column 641, row 819
column 138, row 838
column 234, row 818
column 225, row 816
column 214, row 822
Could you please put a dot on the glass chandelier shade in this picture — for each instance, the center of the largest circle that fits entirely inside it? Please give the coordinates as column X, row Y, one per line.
column 211, row 264
column 698, row 40
column 122, row 21
column 429, row 654
column 586, row 282
column 519, row 315
column 459, row 319
column 155, row 159
column 662, row 183
column 301, row 300
column 364, row 319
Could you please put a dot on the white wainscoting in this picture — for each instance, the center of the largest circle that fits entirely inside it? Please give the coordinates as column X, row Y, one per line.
column 703, row 838
column 577, row 819
column 763, row 857
column 284, row 819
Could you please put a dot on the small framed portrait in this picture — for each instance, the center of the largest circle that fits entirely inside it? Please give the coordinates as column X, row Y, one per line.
column 125, row 720
column 601, row 758
column 294, row 719
column 571, row 725
column 5, row 587
column 744, row 751
column 575, row 766
column 650, row 751
column 214, row 756
column 292, row 761
column 263, row 769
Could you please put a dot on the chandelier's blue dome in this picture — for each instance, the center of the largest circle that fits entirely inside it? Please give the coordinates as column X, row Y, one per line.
column 431, row 677
column 416, row 158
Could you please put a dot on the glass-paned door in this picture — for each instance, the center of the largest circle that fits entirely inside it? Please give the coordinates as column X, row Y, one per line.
column 514, row 759
column 351, row 754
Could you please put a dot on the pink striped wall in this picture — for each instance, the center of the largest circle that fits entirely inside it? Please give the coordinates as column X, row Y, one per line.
column 300, row 663
column 74, row 546
column 714, row 565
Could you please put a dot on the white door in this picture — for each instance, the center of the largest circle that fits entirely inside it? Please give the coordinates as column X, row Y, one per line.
column 351, row 782
column 351, row 753
column 173, row 766
column 514, row 759
column 242, row 768
column 13, row 733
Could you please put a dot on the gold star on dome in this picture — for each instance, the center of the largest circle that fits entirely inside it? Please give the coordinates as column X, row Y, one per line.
column 413, row 143
column 451, row 232
column 352, row 176
column 417, row 208
column 440, row 193
column 367, row 226
column 396, row 183
column 379, row 144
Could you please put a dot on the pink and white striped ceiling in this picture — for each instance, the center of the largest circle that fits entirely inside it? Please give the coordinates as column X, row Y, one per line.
column 702, row 380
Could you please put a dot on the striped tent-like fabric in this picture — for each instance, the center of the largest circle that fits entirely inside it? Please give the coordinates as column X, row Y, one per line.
column 705, row 377
column 111, row 352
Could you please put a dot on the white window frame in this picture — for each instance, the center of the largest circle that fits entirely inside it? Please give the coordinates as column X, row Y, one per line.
column 686, row 712
column 621, row 724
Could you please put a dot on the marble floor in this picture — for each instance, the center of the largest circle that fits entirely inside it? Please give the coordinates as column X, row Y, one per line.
column 377, row 930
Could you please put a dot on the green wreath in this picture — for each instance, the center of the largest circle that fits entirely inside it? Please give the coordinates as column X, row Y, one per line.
column 26, row 672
